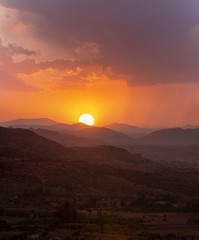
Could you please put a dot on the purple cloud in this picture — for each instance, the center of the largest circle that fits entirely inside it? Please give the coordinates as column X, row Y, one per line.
column 149, row 42
column 14, row 50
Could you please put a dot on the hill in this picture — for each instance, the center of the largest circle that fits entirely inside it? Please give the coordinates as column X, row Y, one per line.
column 66, row 139
column 172, row 137
column 28, row 122
column 130, row 130
column 27, row 158
column 106, row 135
column 26, row 142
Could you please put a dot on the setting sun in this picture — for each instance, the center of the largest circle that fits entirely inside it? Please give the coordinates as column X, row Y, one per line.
column 86, row 119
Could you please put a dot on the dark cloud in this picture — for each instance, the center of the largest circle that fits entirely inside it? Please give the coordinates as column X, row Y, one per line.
column 14, row 49
column 148, row 42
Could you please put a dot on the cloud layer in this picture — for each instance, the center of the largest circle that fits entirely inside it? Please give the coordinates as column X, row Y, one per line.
column 147, row 42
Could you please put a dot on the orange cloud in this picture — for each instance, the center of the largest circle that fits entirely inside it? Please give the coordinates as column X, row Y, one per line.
column 55, row 74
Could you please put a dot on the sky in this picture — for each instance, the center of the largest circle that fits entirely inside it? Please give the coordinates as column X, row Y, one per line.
column 126, row 61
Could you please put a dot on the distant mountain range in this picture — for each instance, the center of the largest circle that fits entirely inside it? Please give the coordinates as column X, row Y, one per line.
column 28, row 122
column 71, row 135
column 132, row 131
column 172, row 137
column 115, row 134
column 106, row 135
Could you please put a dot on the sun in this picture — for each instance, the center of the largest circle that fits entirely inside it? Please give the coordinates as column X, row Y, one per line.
column 86, row 119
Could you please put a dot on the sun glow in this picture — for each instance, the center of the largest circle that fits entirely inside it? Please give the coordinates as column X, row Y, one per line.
column 86, row 119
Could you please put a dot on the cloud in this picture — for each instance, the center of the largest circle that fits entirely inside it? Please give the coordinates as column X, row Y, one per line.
column 14, row 49
column 32, row 75
column 64, row 75
column 146, row 42
column 8, row 78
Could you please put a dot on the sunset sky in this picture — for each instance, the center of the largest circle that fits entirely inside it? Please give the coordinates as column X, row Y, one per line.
column 127, row 61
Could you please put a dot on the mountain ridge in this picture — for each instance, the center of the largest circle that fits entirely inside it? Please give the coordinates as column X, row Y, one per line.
column 130, row 130
column 31, row 121
column 67, row 140
column 172, row 137
column 108, row 136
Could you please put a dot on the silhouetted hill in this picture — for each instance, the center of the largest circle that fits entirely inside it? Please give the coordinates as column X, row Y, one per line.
column 28, row 122
column 106, row 135
column 27, row 142
column 26, row 157
column 130, row 130
column 66, row 139
column 172, row 137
